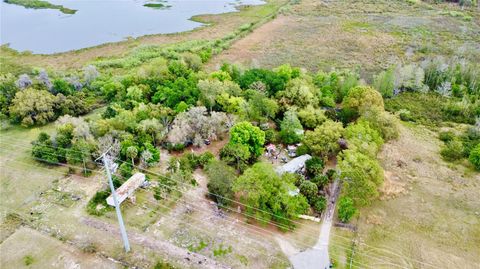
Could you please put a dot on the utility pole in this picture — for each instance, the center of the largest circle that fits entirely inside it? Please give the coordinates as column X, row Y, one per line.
column 123, row 232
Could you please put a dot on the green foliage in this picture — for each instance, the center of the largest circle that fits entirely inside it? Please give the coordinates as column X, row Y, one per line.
column 346, row 209
column 363, row 138
column 260, row 187
column 220, row 182
column 79, row 153
column 311, row 117
column 221, row 251
column 361, row 176
column 236, row 155
column 291, row 130
column 446, row 136
column 321, row 181
column 298, row 93
column 32, row 106
column 452, row 151
column 314, row 166
column 28, row 260
column 362, row 99
column 384, row 123
column 385, row 83
column 98, row 206
column 163, row 265
column 474, row 157
column 244, row 134
column 44, row 151
column 470, row 139
column 323, row 141
column 63, row 87
column 309, row 190
column 319, row 204
column 272, row 80
column 126, row 170
column 38, row 4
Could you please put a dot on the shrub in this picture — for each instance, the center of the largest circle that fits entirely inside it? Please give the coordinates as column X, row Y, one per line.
column 405, row 115
column 314, row 166
column 125, row 170
column 385, row 83
column 291, row 128
column 474, row 157
column 321, row 181
column 452, row 151
column 309, row 190
column 319, row 204
column 98, row 199
column 446, row 136
column 302, row 150
column 346, row 209
column 205, row 158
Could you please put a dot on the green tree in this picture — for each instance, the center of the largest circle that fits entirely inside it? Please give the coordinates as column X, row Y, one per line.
column 291, row 130
column 32, row 106
column 474, row 157
column 237, row 155
column 309, row 190
column 43, row 150
column 323, row 141
column 311, row 117
column 245, row 134
column 132, row 153
column 346, row 209
column 361, row 176
column 79, row 153
column 362, row 99
column 261, row 188
column 220, row 182
column 314, row 166
column 299, row 93
column 363, row 138
column 385, row 83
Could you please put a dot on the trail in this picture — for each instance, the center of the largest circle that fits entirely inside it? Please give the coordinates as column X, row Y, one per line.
column 318, row 257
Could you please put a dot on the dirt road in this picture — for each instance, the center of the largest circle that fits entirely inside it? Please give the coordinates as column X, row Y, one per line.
column 317, row 257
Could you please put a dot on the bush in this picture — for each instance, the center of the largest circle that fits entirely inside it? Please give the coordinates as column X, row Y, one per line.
column 321, row 181
column 205, row 158
column 319, row 204
column 405, row 115
column 309, row 190
column 346, row 209
column 446, row 136
column 452, row 151
column 302, row 150
column 125, row 170
column 474, row 157
column 314, row 166
column 98, row 199
column 385, row 83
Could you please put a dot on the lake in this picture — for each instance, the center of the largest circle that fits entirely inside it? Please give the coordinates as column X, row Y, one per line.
column 96, row 22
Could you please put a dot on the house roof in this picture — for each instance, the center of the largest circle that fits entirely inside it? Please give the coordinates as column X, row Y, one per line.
column 293, row 165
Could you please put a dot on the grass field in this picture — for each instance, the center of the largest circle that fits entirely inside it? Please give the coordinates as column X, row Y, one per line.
column 369, row 35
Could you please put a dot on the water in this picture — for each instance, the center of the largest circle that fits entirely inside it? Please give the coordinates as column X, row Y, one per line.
column 96, row 22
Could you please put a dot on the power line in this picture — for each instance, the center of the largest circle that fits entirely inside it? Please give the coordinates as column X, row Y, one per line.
column 293, row 221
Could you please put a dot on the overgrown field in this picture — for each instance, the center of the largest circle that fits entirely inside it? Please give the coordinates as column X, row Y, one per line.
column 368, row 35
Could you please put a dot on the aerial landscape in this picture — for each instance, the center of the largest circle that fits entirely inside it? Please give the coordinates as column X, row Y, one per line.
column 305, row 134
